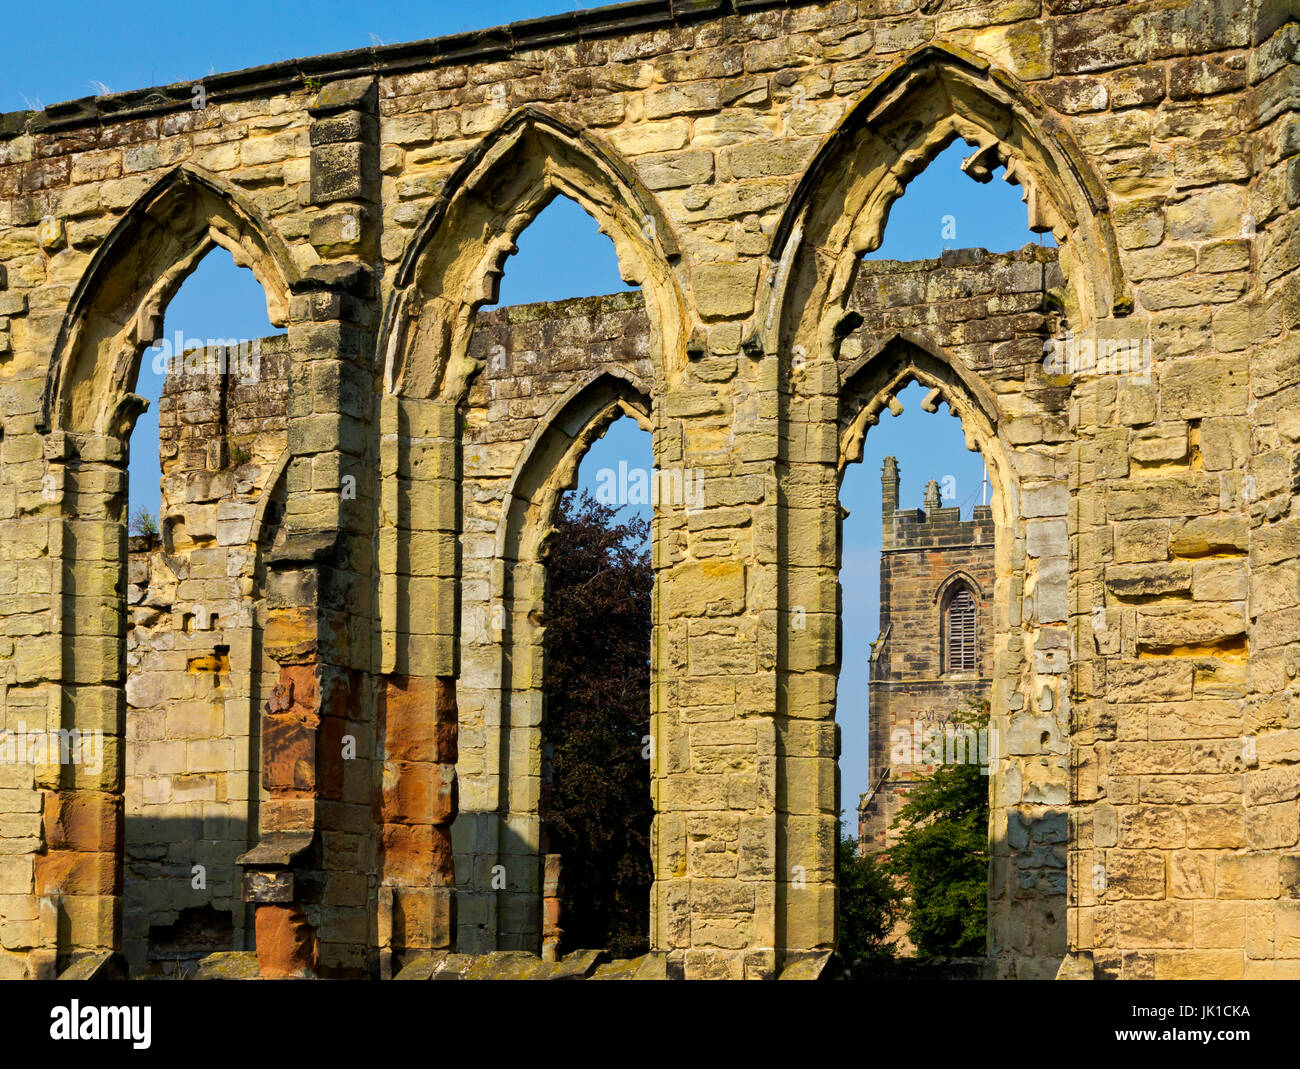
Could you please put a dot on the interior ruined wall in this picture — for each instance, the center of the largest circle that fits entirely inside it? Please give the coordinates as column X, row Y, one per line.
column 1158, row 138
column 196, row 675
column 535, row 358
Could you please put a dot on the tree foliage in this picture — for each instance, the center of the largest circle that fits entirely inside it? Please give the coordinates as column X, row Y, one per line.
column 142, row 522
column 942, row 855
column 869, row 906
column 597, row 809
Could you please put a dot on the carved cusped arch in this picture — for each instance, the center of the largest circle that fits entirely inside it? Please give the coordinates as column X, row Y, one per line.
column 547, row 466
column 872, row 383
column 550, row 462
column 454, row 263
column 912, row 112
column 116, row 310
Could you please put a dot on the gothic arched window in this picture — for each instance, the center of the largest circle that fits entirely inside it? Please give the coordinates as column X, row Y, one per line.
column 959, row 649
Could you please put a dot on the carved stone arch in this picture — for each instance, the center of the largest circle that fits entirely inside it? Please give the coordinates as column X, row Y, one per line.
column 912, row 112
column 873, row 381
column 116, row 310
column 960, row 576
column 1008, row 622
column 1005, row 621
column 510, row 823
column 88, row 410
column 455, row 260
column 481, row 648
column 549, row 463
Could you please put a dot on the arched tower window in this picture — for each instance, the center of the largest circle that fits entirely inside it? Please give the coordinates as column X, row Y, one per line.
column 960, row 652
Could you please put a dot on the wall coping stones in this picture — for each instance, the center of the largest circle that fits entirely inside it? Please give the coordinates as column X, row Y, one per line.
column 475, row 46
column 100, row 965
column 570, row 308
column 521, row 965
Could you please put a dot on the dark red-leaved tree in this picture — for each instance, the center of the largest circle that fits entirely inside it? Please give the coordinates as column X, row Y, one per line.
column 597, row 808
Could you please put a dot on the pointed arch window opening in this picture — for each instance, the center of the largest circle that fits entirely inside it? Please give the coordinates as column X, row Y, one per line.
column 595, row 889
column 940, row 209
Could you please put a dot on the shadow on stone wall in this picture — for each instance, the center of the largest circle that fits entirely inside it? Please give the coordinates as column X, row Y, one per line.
column 174, row 913
column 1028, row 881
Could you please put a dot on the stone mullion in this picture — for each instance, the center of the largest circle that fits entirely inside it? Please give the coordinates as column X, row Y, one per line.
column 348, row 690
column 760, row 452
column 669, row 919
column 1030, row 786
column 518, row 838
column 392, row 473
column 667, row 836
column 809, row 606
column 1086, row 728
column 715, row 648
column 77, row 877
column 312, row 602
column 477, row 581
column 418, row 704
column 343, row 231
column 60, row 708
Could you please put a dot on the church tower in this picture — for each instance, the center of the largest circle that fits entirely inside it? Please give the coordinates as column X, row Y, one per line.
column 933, row 653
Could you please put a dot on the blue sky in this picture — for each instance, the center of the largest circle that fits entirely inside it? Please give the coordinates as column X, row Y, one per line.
column 73, row 49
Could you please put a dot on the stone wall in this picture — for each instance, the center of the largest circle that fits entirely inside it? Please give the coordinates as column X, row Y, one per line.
column 196, row 676
column 742, row 156
column 198, row 609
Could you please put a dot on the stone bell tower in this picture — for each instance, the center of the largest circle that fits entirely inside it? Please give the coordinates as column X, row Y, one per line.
column 934, row 651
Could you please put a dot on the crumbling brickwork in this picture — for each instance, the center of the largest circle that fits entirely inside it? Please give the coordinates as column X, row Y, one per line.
column 742, row 155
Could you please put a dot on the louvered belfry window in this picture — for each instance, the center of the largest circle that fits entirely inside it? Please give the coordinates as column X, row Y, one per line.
column 961, row 632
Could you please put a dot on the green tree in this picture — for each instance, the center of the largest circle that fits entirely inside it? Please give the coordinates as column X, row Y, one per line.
column 597, row 807
column 142, row 522
column 869, row 906
column 942, row 857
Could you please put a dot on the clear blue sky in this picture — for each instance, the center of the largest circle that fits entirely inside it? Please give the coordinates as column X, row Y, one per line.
column 74, row 49
column 67, row 49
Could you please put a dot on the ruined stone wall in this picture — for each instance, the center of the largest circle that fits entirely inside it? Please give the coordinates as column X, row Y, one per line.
column 196, row 675
column 742, row 156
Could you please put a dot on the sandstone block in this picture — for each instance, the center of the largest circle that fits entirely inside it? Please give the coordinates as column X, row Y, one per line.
column 724, row 290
